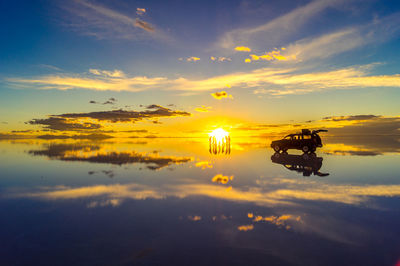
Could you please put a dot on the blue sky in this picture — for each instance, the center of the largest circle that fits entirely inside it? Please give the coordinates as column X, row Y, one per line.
column 305, row 59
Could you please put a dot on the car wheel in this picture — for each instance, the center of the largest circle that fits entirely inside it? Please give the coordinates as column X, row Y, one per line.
column 277, row 148
column 305, row 149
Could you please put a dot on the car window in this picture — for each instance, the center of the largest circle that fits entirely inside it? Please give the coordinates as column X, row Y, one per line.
column 307, row 136
column 288, row 137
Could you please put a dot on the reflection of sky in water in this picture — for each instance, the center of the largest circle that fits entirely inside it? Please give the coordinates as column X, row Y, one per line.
column 172, row 202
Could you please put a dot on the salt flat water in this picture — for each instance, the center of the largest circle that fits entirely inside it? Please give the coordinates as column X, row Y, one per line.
column 173, row 202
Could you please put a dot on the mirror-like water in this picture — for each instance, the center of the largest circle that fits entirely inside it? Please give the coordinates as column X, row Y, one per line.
column 181, row 202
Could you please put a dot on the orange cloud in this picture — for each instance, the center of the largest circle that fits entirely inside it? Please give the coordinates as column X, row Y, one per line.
column 222, row 179
column 192, row 59
column 242, row 49
column 194, row 218
column 274, row 55
column 246, row 227
column 140, row 11
column 204, row 164
column 277, row 220
column 223, row 94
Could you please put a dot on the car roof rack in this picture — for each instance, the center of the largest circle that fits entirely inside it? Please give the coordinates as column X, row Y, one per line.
column 319, row 130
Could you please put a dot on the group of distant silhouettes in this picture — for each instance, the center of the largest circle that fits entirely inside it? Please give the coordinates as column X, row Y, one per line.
column 220, row 146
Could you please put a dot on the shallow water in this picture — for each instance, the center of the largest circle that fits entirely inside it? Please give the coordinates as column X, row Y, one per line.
column 172, row 202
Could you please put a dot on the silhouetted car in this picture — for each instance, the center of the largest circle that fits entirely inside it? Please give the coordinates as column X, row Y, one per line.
column 305, row 164
column 306, row 141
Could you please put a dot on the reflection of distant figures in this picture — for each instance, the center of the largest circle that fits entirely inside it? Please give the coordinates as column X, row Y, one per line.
column 219, row 145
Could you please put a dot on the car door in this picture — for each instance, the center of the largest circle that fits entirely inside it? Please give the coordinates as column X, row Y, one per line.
column 296, row 142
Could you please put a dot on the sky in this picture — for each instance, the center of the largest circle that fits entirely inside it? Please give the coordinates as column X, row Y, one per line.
column 183, row 68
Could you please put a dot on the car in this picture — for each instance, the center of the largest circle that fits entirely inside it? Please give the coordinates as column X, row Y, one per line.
column 307, row 141
column 303, row 164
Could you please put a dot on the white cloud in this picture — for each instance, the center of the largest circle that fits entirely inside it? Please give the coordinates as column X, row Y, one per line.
column 277, row 27
column 264, row 80
column 112, row 74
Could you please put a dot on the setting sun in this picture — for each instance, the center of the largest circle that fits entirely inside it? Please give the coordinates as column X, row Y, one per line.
column 219, row 134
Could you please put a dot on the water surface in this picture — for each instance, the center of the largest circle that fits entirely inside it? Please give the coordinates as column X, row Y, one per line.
column 173, row 202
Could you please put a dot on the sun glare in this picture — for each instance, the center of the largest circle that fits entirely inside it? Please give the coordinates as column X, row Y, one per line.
column 219, row 134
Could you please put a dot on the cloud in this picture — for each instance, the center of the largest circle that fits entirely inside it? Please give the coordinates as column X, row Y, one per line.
column 271, row 81
column 94, row 136
column 194, row 218
column 109, row 101
column 204, row 165
column 105, row 203
column 203, row 109
column 93, row 154
column 220, row 95
column 93, row 82
column 77, row 121
column 268, row 194
column 222, row 179
column 347, row 78
column 242, row 49
column 101, row 21
column 220, row 59
column 245, row 228
column 343, row 40
column 112, row 74
column 364, row 125
column 192, row 59
column 140, row 11
column 258, row 127
column 144, row 25
column 274, row 55
column 22, row 131
column 280, row 221
column 63, row 124
column 352, row 152
column 277, row 28
column 367, row 143
column 154, row 111
column 350, row 118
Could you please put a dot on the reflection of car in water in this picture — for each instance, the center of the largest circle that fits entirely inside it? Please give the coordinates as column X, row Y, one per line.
column 306, row 141
column 307, row 163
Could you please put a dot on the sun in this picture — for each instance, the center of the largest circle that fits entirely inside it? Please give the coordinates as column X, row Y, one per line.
column 219, row 134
